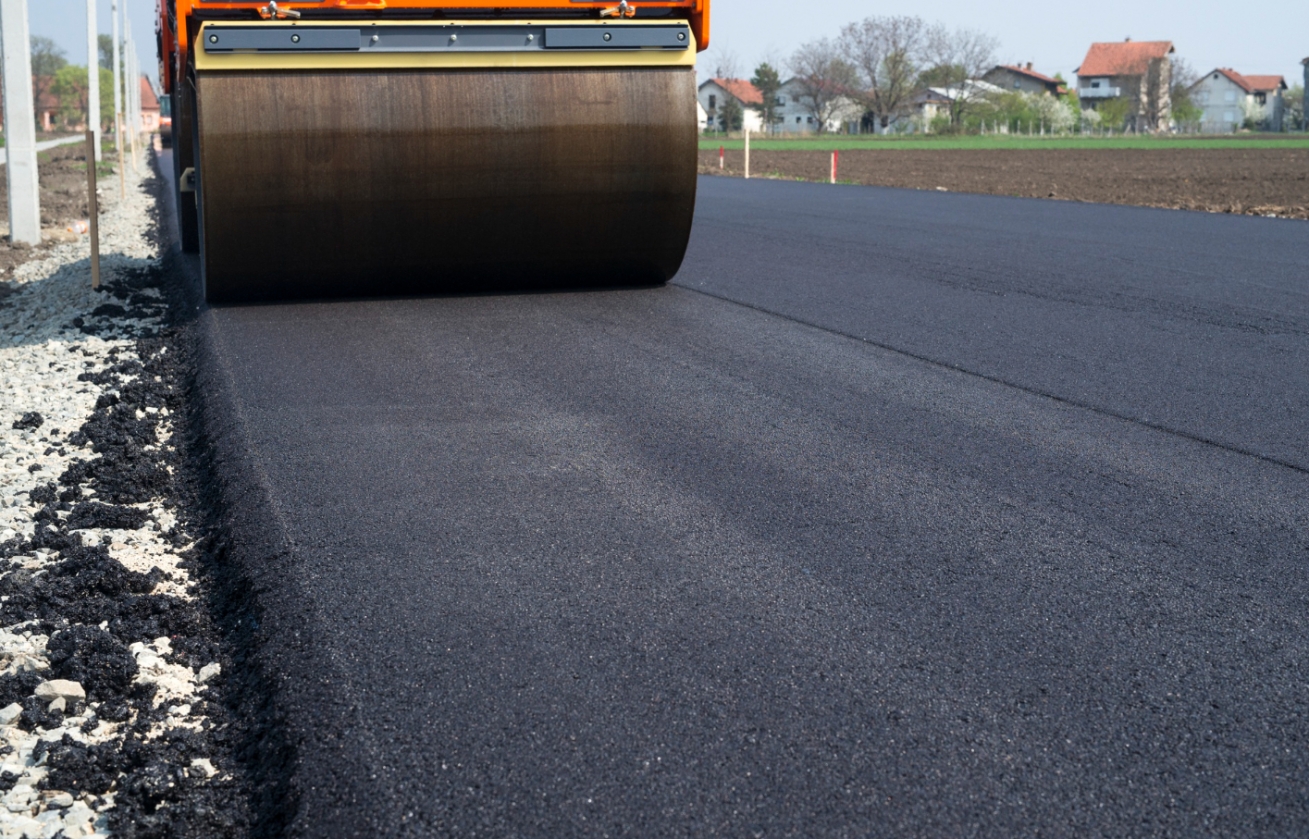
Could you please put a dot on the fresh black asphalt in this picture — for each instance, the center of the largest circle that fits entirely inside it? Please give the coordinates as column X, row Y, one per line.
column 896, row 514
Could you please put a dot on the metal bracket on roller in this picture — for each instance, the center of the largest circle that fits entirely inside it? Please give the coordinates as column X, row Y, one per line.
column 271, row 12
column 187, row 183
column 621, row 10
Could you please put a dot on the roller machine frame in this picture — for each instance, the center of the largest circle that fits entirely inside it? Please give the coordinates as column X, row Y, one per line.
column 340, row 148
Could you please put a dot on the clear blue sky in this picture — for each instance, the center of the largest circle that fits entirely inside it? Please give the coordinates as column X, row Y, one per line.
column 1256, row 36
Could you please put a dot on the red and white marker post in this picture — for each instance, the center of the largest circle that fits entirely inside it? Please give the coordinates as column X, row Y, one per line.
column 836, row 155
column 720, row 158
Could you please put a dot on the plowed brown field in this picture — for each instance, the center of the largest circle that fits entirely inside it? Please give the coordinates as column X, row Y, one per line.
column 1249, row 181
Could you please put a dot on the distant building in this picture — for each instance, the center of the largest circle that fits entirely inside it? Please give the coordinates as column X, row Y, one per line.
column 149, row 106
column 932, row 102
column 715, row 93
column 1024, row 79
column 1229, row 100
column 1139, row 73
column 795, row 116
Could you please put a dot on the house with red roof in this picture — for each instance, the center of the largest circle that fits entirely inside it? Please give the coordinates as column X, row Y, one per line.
column 1139, row 73
column 719, row 97
column 1232, row 100
column 793, row 113
column 149, row 106
column 1023, row 78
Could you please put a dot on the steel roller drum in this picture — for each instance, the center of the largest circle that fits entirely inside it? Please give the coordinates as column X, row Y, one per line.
column 399, row 172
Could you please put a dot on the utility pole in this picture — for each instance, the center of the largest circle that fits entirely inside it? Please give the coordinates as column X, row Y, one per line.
column 133, row 90
column 20, row 124
column 118, row 103
column 93, row 76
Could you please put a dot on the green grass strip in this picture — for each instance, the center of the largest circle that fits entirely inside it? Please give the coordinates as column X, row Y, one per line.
column 846, row 142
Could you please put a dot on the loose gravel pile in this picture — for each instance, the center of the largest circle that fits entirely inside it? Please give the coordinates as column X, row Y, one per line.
column 112, row 719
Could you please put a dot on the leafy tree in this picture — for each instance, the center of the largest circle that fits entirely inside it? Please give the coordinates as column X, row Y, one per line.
column 1114, row 112
column 69, row 87
column 1293, row 118
column 768, row 82
column 730, row 114
column 106, row 43
column 47, row 57
column 106, row 97
column 1185, row 111
column 939, row 76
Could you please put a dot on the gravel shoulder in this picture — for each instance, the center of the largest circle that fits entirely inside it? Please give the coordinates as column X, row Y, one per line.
column 1263, row 182
column 62, row 172
column 113, row 715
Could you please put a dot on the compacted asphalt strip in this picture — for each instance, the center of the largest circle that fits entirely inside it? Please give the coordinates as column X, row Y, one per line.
column 981, row 516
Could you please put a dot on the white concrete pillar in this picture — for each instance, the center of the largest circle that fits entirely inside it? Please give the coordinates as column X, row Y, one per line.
column 118, row 84
column 93, row 76
column 20, row 124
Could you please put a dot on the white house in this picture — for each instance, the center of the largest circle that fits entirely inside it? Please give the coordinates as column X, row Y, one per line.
column 1228, row 99
column 932, row 102
column 794, row 116
column 714, row 93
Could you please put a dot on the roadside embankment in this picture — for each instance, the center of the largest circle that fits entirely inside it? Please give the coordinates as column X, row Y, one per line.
column 113, row 717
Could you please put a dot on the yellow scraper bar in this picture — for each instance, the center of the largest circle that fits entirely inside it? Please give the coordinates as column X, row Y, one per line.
column 327, row 45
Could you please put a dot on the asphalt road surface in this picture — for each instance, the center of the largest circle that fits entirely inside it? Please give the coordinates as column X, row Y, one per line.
column 897, row 513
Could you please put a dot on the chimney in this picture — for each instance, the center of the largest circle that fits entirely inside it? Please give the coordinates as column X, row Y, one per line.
column 1029, row 66
column 1128, row 39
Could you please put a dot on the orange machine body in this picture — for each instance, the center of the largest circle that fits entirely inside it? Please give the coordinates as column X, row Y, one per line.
column 180, row 19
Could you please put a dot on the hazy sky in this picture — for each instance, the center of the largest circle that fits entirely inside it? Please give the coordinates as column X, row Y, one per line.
column 1253, row 37
column 65, row 21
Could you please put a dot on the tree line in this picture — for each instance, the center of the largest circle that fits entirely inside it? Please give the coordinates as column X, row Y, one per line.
column 880, row 64
column 54, row 77
column 877, row 64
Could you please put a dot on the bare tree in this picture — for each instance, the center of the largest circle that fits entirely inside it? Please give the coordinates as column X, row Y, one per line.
column 887, row 51
column 827, row 82
column 726, row 64
column 957, row 57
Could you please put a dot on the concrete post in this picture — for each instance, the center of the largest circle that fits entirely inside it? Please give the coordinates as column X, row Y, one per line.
column 93, row 76
column 132, row 91
column 20, row 124
column 118, row 89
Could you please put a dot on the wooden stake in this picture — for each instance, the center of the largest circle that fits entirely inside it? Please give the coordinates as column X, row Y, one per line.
column 122, row 176
column 93, row 205
column 747, row 153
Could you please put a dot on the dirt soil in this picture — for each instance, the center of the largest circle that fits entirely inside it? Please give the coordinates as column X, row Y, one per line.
column 62, row 173
column 1247, row 181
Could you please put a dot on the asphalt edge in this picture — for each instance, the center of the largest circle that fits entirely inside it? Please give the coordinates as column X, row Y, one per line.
column 286, row 686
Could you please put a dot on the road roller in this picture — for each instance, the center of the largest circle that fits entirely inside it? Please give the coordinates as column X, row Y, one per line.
column 327, row 148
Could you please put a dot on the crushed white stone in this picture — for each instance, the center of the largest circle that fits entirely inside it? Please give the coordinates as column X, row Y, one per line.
column 41, row 357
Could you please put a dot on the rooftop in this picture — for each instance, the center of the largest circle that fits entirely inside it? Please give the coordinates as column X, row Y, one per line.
column 741, row 89
column 1123, row 58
